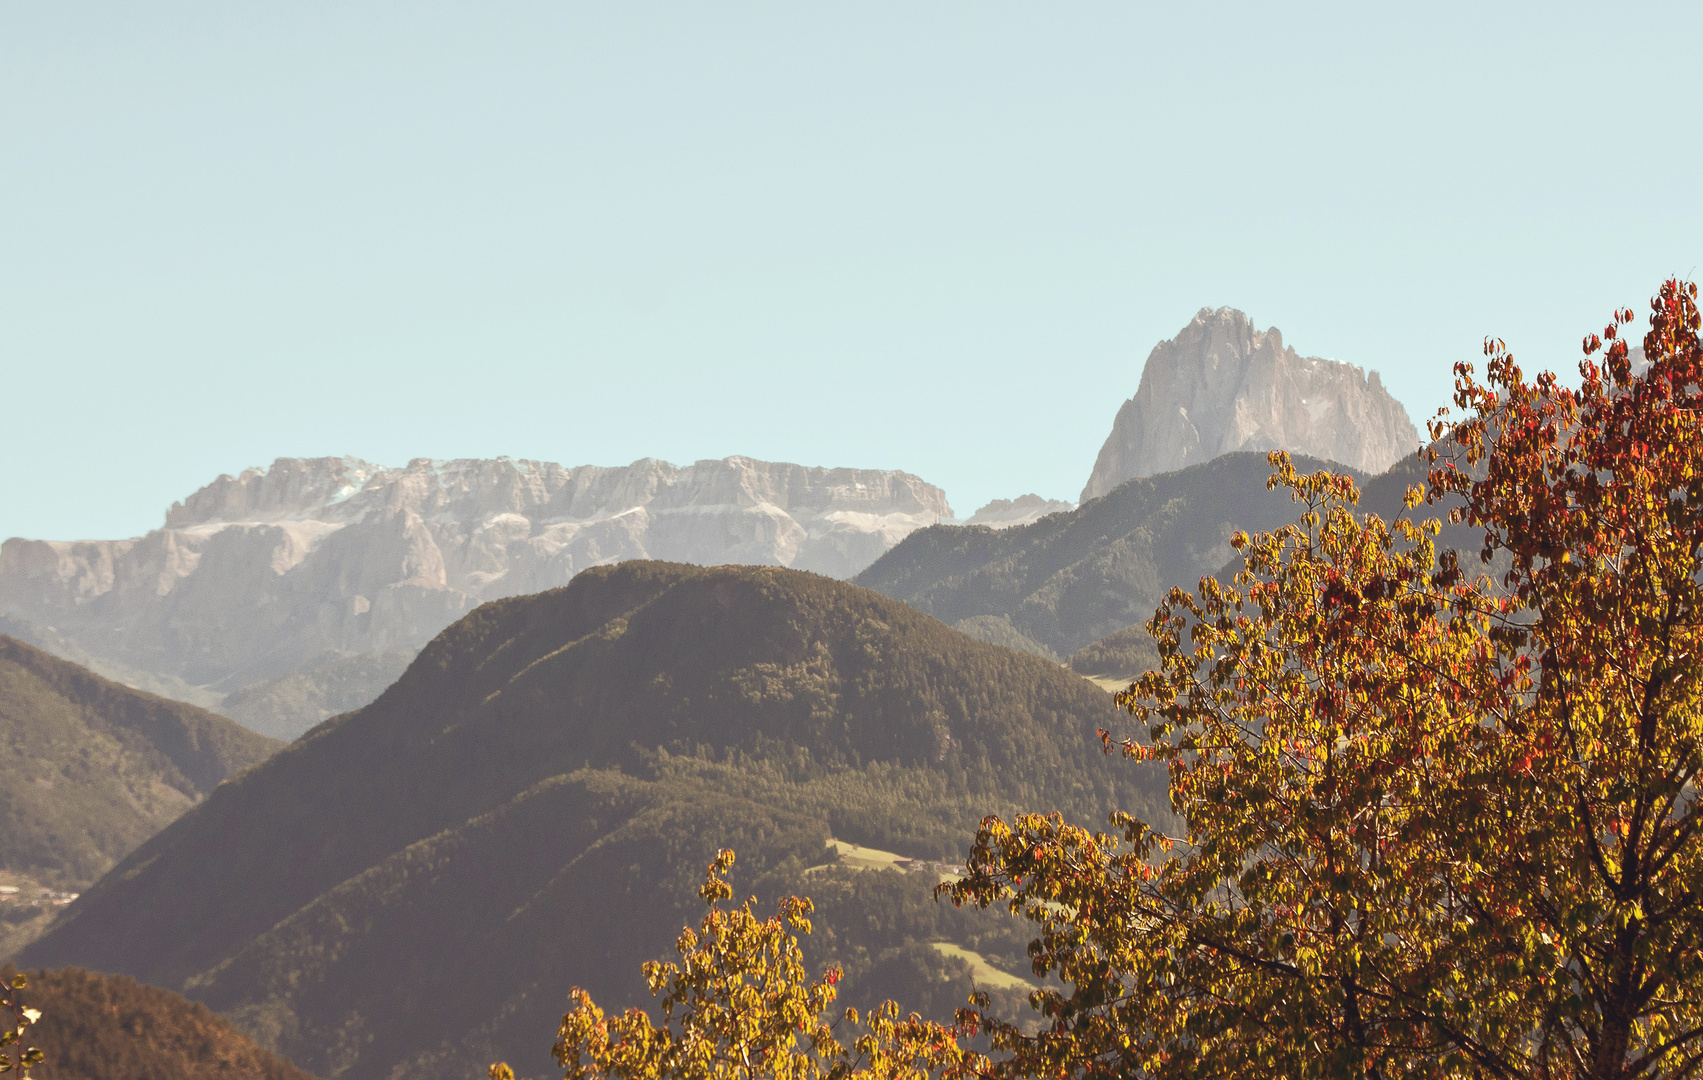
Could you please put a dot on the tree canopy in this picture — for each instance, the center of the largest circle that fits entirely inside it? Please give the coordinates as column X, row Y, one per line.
column 741, row 1004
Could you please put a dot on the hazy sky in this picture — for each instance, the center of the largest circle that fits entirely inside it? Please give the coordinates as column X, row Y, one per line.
column 930, row 236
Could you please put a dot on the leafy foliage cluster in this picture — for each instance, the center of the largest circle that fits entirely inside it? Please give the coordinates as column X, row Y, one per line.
column 742, row 1003
column 1436, row 825
column 15, row 1056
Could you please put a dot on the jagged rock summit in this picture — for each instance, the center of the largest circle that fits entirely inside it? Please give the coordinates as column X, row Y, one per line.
column 1220, row 386
column 276, row 569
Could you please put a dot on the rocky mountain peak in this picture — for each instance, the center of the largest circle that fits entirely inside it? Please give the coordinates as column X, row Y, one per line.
column 1024, row 509
column 1222, row 385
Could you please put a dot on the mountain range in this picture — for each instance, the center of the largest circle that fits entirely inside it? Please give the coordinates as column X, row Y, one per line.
column 312, row 561
column 519, row 737
column 1004, row 513
column 1081, row 585
column 1069, row 579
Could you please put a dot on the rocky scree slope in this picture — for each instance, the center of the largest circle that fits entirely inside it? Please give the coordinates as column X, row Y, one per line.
column 1221, row 385
column 412, row 888
column 311, row 560
column 89, row 769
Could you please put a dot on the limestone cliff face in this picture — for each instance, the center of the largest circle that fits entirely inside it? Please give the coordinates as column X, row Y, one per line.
column 1221, row 386
column 263, row 573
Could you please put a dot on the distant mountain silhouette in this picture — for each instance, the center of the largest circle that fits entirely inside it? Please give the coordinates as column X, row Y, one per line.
column 411, row 888
column 1083, row 584
column 289, row 705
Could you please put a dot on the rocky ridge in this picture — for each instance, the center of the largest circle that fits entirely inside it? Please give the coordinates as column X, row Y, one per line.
column 1221, row 385
column 1005, row 513
column 276, row 569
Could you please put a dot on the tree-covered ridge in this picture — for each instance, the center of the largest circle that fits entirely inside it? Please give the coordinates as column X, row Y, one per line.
column 1071, row 579
column 106, row 1027
column 532, row 805
column 288, row 706
column 89, row 769
column 1125, row 654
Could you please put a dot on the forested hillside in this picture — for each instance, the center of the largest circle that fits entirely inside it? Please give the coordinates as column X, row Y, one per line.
column 415, row 885
column 1126, row 653
column 289, row 705
column 89, row 768
column 1070, row 579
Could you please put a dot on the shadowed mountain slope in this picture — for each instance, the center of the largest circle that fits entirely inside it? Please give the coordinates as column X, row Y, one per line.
column 1126, row 653
column 89, row 768
column 412, row 887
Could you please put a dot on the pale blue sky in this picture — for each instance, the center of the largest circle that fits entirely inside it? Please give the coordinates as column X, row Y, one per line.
column 930, row 236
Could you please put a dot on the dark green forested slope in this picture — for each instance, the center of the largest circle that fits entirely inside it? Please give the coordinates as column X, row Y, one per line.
column 108, row 1027
column 1071, row 579
column 412, row 888
column 289, row 705
column 89, row 768
column 1128, row 652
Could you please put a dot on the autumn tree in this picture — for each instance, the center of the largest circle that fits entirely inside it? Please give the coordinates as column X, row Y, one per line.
column 1435, row 822
column 14, row 1055
column 741, row 1006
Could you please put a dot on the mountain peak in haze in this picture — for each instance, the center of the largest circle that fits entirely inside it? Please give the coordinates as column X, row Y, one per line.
column 1006, row 513
column 1221, row 385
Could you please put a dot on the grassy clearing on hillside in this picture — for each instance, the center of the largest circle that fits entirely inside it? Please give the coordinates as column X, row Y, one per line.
column 983, row 972
column 851, row 856
column 858, row 857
